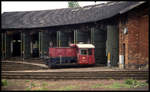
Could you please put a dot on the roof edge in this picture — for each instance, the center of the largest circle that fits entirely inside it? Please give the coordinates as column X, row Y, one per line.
column 131, row 7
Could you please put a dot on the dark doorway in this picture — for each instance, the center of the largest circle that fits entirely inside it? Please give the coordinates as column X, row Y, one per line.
column 53, row 39
column 35, row 44
column 16, row 45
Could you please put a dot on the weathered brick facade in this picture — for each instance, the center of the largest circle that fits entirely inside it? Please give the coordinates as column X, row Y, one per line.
column 134, row 44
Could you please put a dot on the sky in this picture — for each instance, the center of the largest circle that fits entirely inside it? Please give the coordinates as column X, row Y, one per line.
column 12, row 6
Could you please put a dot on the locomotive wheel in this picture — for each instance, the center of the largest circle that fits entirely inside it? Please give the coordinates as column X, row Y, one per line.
column 46, row 63
column 50, row 66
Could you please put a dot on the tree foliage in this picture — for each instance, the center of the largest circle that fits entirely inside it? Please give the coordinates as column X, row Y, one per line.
column 72, row 4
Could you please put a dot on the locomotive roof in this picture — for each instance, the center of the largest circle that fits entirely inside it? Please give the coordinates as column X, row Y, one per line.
column 85, row 45
column 65, row 16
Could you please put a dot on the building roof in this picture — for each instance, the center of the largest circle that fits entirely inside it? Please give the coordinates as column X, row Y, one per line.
column 85, row 45
column 65, row 16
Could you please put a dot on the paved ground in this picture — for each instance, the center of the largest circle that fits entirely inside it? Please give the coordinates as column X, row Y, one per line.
column 37, row 66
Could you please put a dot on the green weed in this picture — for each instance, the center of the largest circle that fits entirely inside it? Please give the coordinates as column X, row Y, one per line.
column 27, row 80
column 4, row 82
column 131, row 82
column 135, row 83
column 32, row 84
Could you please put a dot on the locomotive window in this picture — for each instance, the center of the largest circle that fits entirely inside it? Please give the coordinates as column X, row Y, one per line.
column 83, row 52
column 90, row 51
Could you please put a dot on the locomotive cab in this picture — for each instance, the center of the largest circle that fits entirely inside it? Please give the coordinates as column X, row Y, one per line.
column 85, row 54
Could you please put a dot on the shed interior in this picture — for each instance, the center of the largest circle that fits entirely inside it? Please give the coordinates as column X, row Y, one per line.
column 35, row 44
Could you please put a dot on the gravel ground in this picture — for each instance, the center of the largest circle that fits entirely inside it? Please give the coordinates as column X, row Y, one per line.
column 18, row 84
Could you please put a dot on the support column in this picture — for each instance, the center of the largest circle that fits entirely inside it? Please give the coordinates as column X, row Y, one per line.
column 11, row 47
column 2, row 48
column 58, row 39
column 40, row 52
column 31, row 48
column 8, row 45
column 92, row 35
column 112, row 44
column 74, row 36
column 26, row 45
column 5, row 44
column 41, row 44
column 22, row 45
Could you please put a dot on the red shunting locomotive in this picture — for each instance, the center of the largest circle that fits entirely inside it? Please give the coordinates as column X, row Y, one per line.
column 76, row 54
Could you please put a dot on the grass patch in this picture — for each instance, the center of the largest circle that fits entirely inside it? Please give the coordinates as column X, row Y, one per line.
column 44, row 89
column 28, row 88
column 97, row 85
column 129, row 83
column 70, row 87
column 44, row 84
column 4, row 82
column 32, row 85
column 117, row 85
column 27, row 80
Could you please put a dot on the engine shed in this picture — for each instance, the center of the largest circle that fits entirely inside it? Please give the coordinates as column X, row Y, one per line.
column 112, row 28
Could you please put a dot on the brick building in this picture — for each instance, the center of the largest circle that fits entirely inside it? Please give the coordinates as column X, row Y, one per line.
column 133, row 36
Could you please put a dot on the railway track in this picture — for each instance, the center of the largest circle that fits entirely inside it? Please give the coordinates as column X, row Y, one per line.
column 140, row 75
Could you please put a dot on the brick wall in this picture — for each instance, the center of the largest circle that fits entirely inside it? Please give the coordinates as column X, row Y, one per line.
column 136, row 40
